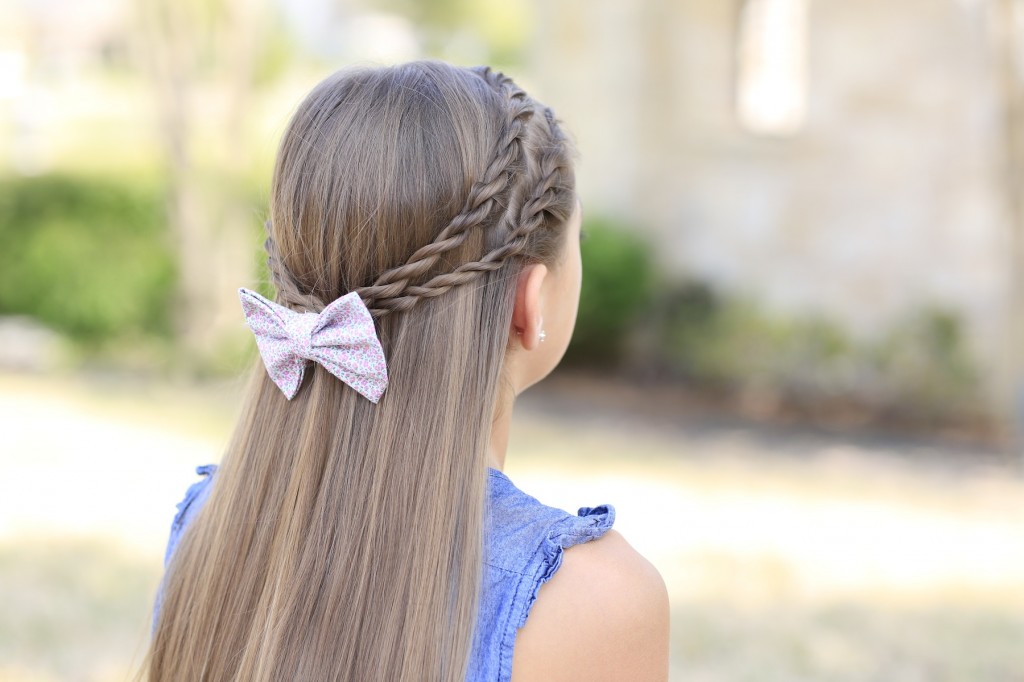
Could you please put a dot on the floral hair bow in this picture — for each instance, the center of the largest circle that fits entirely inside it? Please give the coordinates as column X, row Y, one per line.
column 341, row 337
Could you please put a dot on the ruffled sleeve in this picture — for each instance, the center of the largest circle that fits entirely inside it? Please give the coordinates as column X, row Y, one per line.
column 187, row 509
column 590, row 523
column 524, row 547
column 189, row 506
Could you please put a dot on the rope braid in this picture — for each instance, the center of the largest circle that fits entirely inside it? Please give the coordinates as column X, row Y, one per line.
column 530, row 217
column 393, row 290
column 482, row 198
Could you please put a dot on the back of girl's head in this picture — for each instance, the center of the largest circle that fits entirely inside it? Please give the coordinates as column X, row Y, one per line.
column 343, row 539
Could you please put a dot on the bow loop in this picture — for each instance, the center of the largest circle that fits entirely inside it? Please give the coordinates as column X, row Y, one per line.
column 341, row 338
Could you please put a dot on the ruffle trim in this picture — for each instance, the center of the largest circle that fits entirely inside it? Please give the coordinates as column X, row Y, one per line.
column 193, row 492
column 590, row 523
column 177, row 525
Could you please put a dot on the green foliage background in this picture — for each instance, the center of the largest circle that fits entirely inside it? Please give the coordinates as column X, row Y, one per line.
column 89, row 257
column 619, row 284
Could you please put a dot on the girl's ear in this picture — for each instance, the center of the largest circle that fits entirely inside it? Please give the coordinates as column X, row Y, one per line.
column 528, row 312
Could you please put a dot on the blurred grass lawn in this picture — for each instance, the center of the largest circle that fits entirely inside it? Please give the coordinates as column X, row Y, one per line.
column 792, row 557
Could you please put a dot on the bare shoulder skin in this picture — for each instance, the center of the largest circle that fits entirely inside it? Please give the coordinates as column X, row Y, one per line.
column 603, row 617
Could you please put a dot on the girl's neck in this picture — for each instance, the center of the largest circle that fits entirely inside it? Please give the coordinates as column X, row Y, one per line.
column 499, row 430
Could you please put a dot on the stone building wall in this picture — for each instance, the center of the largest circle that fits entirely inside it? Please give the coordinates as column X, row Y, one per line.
column 887, row 200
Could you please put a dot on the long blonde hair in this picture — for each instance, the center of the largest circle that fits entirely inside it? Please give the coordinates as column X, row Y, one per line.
column 342, row 540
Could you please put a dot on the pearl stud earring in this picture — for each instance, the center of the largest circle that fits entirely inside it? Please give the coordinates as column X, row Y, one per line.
column 540, row 337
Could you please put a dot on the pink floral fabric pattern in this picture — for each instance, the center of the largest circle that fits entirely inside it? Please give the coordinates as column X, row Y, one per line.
column 341, row 337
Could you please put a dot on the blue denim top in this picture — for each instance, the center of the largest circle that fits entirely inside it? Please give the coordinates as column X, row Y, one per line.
column 523, row 548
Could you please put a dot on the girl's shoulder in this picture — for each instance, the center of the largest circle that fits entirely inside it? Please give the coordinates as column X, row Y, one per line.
column 603, row 617
column 557, row 588
column 597, row 612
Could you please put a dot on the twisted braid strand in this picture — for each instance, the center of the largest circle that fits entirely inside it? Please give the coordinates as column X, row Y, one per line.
column 530, row 217
column 479, row 204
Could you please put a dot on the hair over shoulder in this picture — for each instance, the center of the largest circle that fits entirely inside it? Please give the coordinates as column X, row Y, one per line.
column 342, row 540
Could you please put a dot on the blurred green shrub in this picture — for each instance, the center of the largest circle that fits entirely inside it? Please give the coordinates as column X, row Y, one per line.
column 619, row 283
column 714, row 338
column 927, row 358
column 922, row 366
column 89, row 257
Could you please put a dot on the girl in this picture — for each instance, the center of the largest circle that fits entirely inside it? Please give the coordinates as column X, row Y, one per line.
column 424, row 246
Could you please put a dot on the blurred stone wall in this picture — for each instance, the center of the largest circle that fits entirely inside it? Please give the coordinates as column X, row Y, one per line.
column 888, row 199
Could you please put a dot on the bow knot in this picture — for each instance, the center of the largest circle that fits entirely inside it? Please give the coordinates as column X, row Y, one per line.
column 300, row 331
column 341, row 337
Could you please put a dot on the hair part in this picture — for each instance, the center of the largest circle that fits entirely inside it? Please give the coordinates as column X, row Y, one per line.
column 343, row 540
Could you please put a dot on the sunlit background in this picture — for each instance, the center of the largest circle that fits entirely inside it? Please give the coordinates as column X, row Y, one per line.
column 797, row 369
